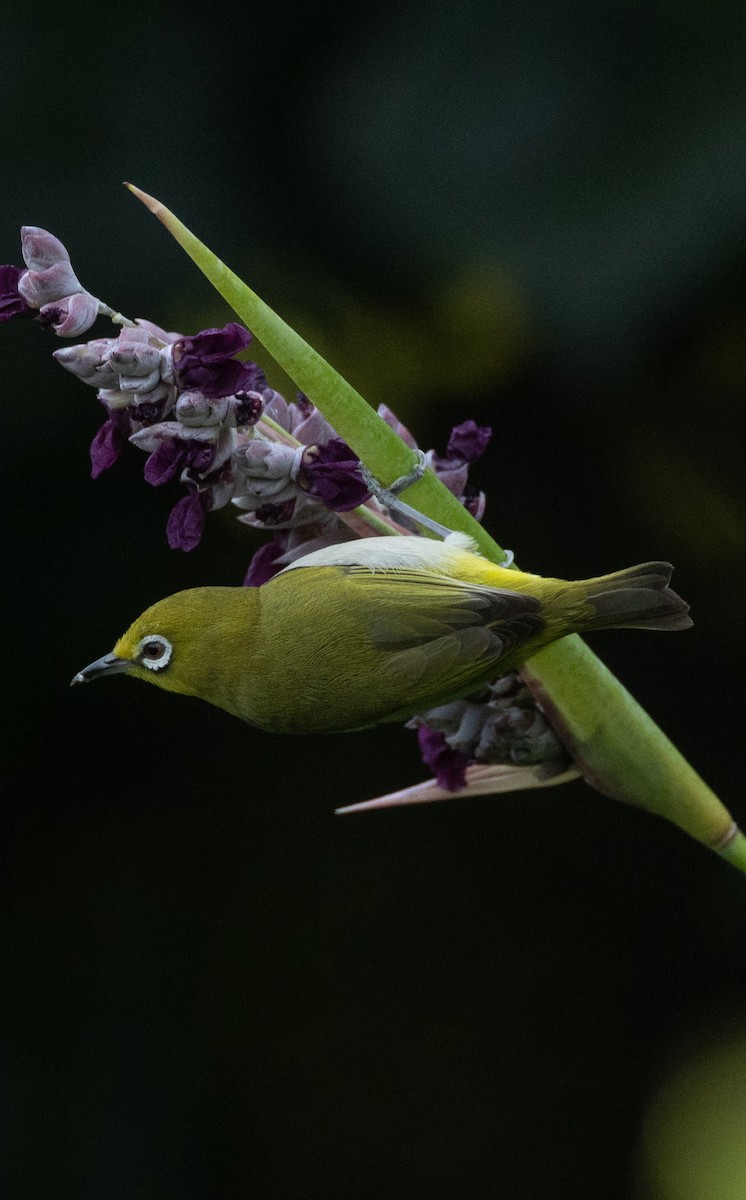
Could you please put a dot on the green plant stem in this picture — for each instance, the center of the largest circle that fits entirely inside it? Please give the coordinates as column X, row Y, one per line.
column 734, row 851
column 616, row 745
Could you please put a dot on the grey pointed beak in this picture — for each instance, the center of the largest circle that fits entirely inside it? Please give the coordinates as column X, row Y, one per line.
column 110, row 664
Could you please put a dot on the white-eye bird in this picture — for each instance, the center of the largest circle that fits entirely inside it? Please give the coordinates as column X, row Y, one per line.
column 374, row 630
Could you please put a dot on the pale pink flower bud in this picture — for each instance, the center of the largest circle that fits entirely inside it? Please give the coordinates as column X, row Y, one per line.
column 89, row 362
column 151, row 439
column 155, row 331
column 41, row 249
column 50, row 278
column 44, row 287
column 141, row 384
column 195, row 409
column 72, row 315
column 268, row 460
column 134, row 355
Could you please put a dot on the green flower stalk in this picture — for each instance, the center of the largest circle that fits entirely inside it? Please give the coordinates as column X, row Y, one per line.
column 616, row 746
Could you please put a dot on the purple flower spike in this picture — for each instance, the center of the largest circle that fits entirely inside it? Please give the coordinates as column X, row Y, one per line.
column 187, row 521
column 468, row 441
column 12, row 303
column 448, row 765
column 109, row 442
column 205, row 362
column 332, row 474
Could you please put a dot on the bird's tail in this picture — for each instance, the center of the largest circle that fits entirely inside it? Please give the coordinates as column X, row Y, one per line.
column 637, row 598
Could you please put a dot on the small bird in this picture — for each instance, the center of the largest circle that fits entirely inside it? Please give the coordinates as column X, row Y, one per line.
column 373, row 631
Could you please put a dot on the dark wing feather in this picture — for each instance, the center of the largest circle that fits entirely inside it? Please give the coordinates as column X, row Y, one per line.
column 441, row 635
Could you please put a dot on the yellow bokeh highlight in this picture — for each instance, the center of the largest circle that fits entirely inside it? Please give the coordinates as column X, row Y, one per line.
column 694, row 1137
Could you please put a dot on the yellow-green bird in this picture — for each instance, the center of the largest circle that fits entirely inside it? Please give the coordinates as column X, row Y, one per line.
column 371, row 631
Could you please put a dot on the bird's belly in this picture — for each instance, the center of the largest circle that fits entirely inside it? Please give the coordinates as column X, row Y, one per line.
column 319, row 697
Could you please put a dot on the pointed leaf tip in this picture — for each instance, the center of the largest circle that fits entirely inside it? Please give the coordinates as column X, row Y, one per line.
column 150, row 202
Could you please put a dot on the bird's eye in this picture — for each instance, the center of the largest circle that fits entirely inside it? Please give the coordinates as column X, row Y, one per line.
column 154, row 652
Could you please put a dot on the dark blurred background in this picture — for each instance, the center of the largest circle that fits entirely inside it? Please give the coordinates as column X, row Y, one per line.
column 212, row 987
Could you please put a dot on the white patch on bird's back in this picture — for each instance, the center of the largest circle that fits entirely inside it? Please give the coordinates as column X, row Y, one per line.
column 393, row 553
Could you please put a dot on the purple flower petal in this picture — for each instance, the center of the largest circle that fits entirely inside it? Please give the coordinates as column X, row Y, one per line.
column 149, row 413
column 219, row 485
column 391, row 419
column 448, row 765
column 469, row 441
column 304, row 404
column 294, row 515
column 247, row 406
column 331, row 473
column 452, row 472
column 265, row 564
column 205, row 362
column 275, row 514
column 109, row 442
column 258, row 380
column 200, row 457
column 166, row 462
column 277, row 408
column 310, row 427
column 187, row 521
column 475, row 502
column 215, row 379
column 213, row 345
column 12, row 303
column 150, row 408
column 173, row 448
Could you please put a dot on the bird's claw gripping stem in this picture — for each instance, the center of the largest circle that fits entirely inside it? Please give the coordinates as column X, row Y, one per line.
column 389, row 498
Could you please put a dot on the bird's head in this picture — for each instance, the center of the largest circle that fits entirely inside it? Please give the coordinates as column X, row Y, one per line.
column 183, row 643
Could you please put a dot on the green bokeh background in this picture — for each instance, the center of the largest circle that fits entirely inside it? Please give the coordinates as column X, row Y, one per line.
column 212, row 986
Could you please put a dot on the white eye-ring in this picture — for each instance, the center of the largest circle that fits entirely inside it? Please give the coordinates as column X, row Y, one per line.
column 154, row 652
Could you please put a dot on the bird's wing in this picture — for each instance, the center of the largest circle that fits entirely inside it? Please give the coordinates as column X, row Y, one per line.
column 440, row 634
